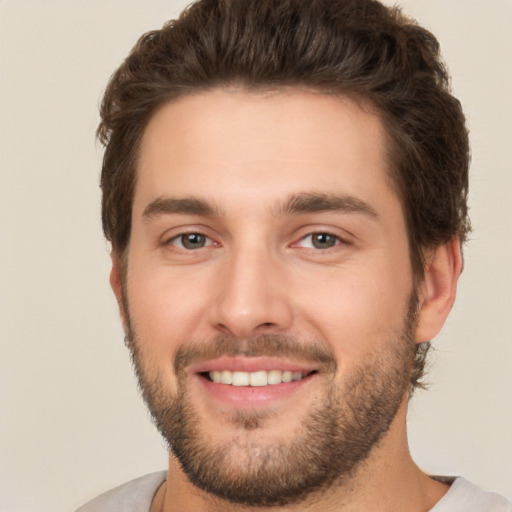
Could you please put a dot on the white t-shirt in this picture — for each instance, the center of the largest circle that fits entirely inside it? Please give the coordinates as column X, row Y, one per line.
column 137, row 495
column 463, row 496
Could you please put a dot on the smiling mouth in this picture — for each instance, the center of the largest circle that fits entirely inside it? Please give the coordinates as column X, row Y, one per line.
column 255, row 379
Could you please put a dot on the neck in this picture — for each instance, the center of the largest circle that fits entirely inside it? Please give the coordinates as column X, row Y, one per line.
column 388, row 481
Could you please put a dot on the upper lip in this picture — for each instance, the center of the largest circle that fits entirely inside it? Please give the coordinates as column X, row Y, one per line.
column 250, row 364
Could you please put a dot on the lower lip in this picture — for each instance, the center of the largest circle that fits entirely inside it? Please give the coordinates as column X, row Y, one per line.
column 252, row 396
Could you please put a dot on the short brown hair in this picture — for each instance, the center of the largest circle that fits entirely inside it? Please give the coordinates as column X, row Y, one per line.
column 358, row 48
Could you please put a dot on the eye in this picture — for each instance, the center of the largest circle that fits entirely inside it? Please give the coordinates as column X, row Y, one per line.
column 319, row 241
column 191, row 241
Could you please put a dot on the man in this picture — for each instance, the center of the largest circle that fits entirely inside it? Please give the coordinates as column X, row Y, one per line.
column 284, row 187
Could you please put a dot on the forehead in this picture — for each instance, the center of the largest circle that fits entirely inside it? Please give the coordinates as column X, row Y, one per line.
column 223, row 144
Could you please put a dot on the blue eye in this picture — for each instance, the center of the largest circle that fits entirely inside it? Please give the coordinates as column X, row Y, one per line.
column 191, row 241
column 320, row 241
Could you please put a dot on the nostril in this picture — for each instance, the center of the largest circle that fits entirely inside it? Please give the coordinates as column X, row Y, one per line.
column 265, row 327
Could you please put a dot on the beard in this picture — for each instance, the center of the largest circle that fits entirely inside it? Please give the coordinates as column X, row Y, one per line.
column 337, row 434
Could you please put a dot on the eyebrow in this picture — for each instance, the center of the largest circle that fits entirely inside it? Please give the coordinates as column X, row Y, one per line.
column 322, row 202
column 184, row 206
column 305, row 202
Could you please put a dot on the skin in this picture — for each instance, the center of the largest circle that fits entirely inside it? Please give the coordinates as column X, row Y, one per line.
column 245, row 154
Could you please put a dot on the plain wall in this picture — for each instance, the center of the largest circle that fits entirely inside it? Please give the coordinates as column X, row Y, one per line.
column 71, row 421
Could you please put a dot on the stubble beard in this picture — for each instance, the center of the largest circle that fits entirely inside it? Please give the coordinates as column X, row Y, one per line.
column 334, row 440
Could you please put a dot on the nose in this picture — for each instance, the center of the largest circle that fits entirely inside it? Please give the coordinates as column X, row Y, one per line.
column 253, row 297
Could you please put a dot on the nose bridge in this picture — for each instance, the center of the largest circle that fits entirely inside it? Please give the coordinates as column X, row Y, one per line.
column 253, row 297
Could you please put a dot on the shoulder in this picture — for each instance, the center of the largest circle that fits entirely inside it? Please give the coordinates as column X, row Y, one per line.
column 464, row 496
column 133, row 496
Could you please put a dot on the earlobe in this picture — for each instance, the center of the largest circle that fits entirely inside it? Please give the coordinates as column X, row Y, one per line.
column 438, row 289
column 116, row 283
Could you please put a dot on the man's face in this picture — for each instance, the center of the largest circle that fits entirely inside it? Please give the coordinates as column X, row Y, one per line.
column 267, row 245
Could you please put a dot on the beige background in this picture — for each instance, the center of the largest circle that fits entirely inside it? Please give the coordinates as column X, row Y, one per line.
column 71, row 421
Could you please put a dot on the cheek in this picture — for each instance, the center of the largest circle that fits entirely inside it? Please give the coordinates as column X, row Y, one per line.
column 164, row 314
column 357, row 310
column 165, row 309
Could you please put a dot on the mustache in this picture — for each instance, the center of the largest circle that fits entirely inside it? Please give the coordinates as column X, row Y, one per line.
column 266, row 345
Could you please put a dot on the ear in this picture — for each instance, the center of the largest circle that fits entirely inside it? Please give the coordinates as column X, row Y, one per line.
column 438, row 289
column 116, row 283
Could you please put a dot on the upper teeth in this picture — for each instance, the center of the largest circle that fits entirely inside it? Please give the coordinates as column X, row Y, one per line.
column 260, row 378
